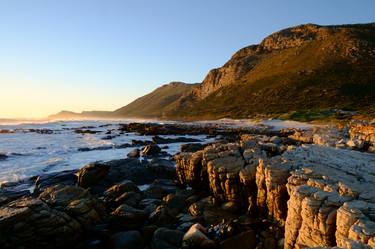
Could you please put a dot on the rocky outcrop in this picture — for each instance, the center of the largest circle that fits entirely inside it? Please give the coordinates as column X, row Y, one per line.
column 330, row 198
column 31, row 223
column 322, row 195
column 362, row 135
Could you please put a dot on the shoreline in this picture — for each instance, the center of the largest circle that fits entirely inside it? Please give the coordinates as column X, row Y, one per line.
column 238, row 190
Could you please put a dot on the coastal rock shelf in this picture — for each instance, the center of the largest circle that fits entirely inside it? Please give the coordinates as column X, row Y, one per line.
column 322, row 196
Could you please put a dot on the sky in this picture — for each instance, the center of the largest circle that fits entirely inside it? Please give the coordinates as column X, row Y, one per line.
column 102, row 54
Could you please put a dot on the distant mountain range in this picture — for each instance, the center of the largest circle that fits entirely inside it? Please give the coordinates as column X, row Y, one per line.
column 306, row 68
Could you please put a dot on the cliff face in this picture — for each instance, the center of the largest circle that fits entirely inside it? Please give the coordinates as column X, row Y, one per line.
column 321, row 195
column 299, row 68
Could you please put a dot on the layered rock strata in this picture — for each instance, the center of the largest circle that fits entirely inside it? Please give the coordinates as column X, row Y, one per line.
column 323, row 195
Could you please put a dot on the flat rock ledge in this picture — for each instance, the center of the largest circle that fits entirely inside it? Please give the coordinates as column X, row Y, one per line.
column 322, row 196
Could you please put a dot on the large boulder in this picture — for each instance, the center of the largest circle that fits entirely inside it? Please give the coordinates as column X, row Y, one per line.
column 31, row 223
column 92, row 174
column 76, row 202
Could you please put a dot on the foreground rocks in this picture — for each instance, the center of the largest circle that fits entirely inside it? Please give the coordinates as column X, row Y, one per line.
column 247, row 191
column 321, row 195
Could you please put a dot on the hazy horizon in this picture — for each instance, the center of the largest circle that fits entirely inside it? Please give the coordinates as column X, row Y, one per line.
column 93, row 55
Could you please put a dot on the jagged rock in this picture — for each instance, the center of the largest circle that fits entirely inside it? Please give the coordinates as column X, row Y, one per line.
column 271, row 179
column 189, row 169
column 362, row 135
column 329, row 189
column 31, row 223
column 92, row 174
column 76, row 202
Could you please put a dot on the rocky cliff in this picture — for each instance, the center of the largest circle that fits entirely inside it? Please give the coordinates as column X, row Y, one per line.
column 307, row 67
column 321, row 195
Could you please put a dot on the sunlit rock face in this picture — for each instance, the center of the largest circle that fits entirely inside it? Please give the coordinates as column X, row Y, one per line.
column 362, row 135
column 323, row 196
column 331, row 198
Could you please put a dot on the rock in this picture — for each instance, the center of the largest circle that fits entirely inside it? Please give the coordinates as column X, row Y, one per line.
column 76, row 202
column 196, row 237
column 128, row 217
column 92, row 174
column 208, row 209
column 151, row 150
column 127, row 240
column 191, row 147
column 161, row 140
column 245, row 240
column 141, row 142
column 115, row 191
column 330, row 198
column 362, row 134
column 191, row 171
column 166, row 239
column 31, row 223
column 272, row 196
column 3, row 156
column 85, row 131
column 149, row 205
column 135, row 153
column 47, row 180
column 7, row 195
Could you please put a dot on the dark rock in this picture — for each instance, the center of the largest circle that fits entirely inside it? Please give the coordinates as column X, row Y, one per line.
column 31, row 223
column 3, row 156
column 126, row 240
column 127, row 217
column 141, row 142
column 91, row 174
column 7, row 196
column 191, row 147
column 75, row 201
column 245, row 240
column 130, row 198
column 47, row 180
column 167, row 239
column 82, row 131
column 84, row 149
column 151, row 150
column 161, row 140
column 149, row 205
column 123, row 146
column 135, row 153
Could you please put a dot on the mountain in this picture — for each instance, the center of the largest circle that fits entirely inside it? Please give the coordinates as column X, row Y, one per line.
column 157, row 103
column 82, row 115
column 303, row 68
column 308, row 68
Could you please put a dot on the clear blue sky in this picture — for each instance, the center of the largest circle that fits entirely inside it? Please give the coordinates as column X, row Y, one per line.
column 102, row 54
